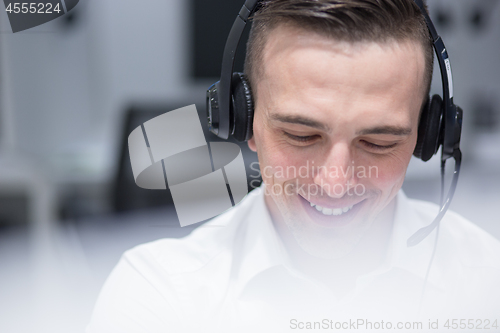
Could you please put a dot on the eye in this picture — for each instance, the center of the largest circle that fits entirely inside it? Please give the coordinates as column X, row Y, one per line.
column 377, row 147
column 301, row 139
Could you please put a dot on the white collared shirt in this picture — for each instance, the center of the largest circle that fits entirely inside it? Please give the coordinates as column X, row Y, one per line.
column 233, row 274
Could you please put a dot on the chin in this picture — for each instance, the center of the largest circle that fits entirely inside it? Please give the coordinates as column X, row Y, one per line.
column 324, row 247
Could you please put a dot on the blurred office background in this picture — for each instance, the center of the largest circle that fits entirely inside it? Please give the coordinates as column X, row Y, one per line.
column 73, row 89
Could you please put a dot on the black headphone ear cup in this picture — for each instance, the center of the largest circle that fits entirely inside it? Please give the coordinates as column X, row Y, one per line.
column 429, row 129
column 242, row 107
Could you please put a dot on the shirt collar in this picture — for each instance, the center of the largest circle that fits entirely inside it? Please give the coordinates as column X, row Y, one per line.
column 258, row 246
column 414, row 260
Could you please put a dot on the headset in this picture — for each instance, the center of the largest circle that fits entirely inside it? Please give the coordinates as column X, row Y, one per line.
column 230, row 109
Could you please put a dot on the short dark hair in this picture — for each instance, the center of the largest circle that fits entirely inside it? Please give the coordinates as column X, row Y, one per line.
column 344, row 20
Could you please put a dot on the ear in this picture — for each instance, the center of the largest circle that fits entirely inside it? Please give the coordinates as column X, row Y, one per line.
column 252, row 145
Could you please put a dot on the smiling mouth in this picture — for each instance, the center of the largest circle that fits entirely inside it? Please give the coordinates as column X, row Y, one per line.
column 331, row 211
column 332, row 217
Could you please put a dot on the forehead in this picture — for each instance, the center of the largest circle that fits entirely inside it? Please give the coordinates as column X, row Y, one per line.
column 289, row 45
column 304, row 69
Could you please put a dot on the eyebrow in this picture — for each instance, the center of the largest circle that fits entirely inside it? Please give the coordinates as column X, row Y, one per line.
column 391, row 130
column 300, row 120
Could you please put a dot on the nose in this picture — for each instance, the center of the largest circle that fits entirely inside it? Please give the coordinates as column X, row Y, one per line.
column 336, row 174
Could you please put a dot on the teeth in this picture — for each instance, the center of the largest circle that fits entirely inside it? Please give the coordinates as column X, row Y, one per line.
column 337, row 211
column 327, row 211
column 330, row 211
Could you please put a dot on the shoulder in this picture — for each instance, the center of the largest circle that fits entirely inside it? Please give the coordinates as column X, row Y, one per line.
column 473, row 246
column 191, row 253
column 159, row 285
column 466, row 263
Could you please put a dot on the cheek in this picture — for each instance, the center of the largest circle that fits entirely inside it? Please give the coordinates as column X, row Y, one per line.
column 387, row 172
column 283, row 165
column 279, row 161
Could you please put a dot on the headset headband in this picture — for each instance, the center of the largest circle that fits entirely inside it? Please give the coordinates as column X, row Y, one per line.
column 219, row 122
column 451, row 116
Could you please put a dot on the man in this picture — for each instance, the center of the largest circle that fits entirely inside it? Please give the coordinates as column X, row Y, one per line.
column 338, row 87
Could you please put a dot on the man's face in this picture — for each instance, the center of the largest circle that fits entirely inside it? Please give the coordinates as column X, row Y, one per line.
column 335, row 126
